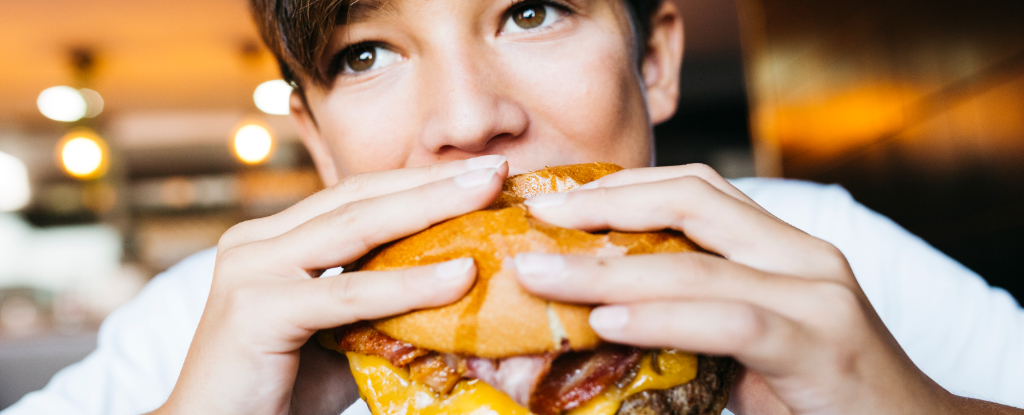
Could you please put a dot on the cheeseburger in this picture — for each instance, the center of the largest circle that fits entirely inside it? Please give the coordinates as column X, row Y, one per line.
column 500, row 349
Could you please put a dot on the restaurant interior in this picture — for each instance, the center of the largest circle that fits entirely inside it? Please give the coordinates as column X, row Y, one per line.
column 134, row 133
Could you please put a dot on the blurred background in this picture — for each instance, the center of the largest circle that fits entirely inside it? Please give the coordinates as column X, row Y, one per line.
column 133, row 133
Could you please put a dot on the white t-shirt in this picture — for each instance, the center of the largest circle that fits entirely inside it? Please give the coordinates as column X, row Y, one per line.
column 967, row 336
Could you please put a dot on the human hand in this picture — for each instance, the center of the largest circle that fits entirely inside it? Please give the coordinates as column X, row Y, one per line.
column 783, row 303
column 265, row 303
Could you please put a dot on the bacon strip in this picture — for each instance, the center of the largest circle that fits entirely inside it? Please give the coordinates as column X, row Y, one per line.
column 516, row 376
column 434, row 371
column 363, row 338
column 545, row 384
column 578, row 377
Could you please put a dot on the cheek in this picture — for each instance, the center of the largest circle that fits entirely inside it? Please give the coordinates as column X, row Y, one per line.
column 368, row 130
column 585, row 92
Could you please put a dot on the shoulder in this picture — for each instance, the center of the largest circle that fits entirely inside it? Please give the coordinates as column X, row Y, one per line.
column 179, row 291
column 196, row 270
column 174, row 299
column 140, row 348
column 145, row 341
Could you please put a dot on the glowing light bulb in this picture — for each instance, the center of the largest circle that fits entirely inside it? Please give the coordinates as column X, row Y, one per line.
column 253, row 143
column 62, row 103
column 272, row 97
column 14, row 187
column 82, row 154
column 93, row 102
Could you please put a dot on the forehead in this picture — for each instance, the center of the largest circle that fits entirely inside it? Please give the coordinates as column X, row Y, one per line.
column 357, row 11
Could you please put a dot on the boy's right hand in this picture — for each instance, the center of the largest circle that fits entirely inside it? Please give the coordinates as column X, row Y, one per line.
column 265, row 302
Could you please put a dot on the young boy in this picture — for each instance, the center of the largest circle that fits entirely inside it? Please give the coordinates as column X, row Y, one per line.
column 415, row 111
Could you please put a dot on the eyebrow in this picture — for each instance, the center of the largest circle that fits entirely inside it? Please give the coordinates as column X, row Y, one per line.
column 357, row 11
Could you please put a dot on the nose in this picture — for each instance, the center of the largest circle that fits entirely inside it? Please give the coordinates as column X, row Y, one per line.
column 469, row 108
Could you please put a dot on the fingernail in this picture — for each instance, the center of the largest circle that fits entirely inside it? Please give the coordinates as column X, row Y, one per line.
column 588, row 186
column 451, row 270
column 483, row 162
column 539, row 266
column 475, row 178
column 612, row 317
column 546, row 201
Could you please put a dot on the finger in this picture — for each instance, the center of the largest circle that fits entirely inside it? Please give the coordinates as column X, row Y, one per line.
column 760, row 339
column 656, row 174
column 350, row 189
column 344, row 234
column 715, row 221
column 664, row 277
column 331, row 302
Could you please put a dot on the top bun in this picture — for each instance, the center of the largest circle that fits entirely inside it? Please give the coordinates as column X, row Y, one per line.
column 497, row 318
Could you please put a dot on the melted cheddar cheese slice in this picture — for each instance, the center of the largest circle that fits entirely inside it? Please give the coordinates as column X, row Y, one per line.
column 387, row 389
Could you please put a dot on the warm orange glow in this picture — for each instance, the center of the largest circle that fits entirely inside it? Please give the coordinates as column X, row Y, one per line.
column 834, row 122
column 253, row 143
column 83, row 154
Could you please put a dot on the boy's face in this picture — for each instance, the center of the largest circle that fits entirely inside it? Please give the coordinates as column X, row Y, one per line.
column 417, row 82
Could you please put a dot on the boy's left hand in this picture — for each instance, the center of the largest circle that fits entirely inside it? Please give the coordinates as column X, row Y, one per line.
column 783, row 303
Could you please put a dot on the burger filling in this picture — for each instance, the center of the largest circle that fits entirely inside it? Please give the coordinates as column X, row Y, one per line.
column 547, row 384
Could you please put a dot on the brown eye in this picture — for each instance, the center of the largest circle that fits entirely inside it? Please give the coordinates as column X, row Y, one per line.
column 529, row 17
column 361, row 58
column 364, row 58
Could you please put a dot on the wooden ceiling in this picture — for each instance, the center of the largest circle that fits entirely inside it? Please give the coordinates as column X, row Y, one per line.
column 150, row 54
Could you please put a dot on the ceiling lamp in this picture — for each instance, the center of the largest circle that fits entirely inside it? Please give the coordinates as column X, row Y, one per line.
column 14, row 188
column 272, row 97
column 62, row 103
column 253, row 143
column 93, row 102
column 68, row 104
column 83, row 154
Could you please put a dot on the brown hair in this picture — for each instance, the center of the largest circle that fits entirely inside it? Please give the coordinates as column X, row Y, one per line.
column 297, row 31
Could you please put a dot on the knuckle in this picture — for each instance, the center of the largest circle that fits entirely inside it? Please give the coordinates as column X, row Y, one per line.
column 426, row 217
column 229, row 256
column 354, row 184
column 601, row 193
column 346, row 291
column 622, row 177
column 744, row 325
column 838, row 303
column 834, row 261
column 690, row 188
column 693, row 184
column 835, row 293
column 342, row 217
column 437, row 170
column 407, row 282
column 703, row 171
column 694, row 268
column 236, row 235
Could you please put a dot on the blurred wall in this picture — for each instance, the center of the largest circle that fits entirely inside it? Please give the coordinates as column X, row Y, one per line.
column 710, row 125
column 915, row 106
